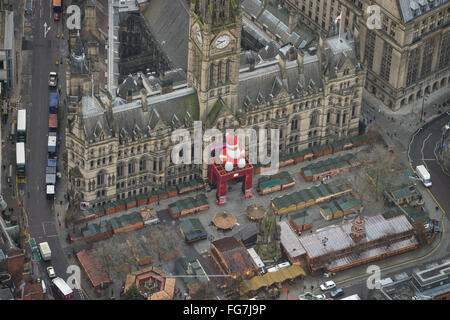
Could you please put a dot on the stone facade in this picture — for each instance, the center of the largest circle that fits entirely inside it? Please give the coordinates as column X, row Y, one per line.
column 120, row 146
column 406, row 59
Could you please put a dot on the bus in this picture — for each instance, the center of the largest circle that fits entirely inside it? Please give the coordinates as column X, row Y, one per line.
column 22, row 125
column 20, row 159
column 57, row 9
column 62, row 289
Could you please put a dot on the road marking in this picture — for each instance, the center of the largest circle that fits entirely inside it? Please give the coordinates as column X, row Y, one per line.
column 409, row 147
column 423, row 147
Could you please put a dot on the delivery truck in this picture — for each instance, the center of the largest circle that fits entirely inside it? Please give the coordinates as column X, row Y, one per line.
column 46, row 253
column 22, row 125
column 424, row 175
column 52, row 143
column 53, row 102
column 62, row 289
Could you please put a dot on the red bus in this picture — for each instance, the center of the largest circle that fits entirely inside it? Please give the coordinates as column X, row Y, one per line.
column 57, row 9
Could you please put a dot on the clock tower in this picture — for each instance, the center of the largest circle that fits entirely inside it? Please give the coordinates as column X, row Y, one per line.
column 214, row 49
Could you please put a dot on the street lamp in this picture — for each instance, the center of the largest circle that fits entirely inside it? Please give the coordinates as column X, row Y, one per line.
column 423, row 104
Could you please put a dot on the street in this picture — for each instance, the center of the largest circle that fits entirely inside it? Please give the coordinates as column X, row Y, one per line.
column 39, row 61
column 422, row 151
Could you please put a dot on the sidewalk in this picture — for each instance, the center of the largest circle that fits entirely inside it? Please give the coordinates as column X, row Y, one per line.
column 402, row 124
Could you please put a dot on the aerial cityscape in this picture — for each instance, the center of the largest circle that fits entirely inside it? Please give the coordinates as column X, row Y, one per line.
column 228, row 150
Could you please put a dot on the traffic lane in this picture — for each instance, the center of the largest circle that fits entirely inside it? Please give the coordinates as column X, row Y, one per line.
column 43, row 223
column 39, row 208
column 441, row 182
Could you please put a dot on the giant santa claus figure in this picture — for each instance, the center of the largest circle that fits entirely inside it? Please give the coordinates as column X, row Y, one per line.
column 232, row 155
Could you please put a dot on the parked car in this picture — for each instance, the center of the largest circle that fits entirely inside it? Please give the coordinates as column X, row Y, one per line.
column 337, row 293
column 51, row 272
column 327, row 285
column 320, row 296
column 53, row 79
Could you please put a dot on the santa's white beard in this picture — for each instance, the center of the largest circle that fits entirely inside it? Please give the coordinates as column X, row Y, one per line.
column 234, row 154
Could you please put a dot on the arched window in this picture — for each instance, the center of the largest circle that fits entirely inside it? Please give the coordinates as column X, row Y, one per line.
column 211, row 76
column 131, row 167
column 219, row 73
column 294, row 124
column 227, row 71
column 101, row 178
column 120, row 171
column 143, row 164
column 314, row 120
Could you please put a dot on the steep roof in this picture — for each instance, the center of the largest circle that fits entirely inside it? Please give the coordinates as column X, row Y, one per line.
column 168, row 22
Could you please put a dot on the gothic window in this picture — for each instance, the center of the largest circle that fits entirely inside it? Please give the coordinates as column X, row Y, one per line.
column 370, row 49
column 427, row 58
column 294, row 124
column 445, row 51
column 100, row 178
column 219, row 73
column 211, row 76
column 314, row 120
column 143, row 164
column 338, row 118
column 328, row 116
column 411, row 76
column 386, row 61
column 227, row 71
column 131, row 167
column 120, row 170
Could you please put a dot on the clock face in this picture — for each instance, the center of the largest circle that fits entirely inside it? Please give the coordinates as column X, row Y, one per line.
column 222, row 42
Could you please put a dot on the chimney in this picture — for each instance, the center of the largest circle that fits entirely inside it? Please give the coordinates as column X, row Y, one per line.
column 251, row 61
column 129, row 96
column 291, row 54
column 300, row 56
column 166, row 83
column 144, row 100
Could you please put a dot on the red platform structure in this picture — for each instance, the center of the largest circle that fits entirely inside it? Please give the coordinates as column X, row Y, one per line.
column 217, row 175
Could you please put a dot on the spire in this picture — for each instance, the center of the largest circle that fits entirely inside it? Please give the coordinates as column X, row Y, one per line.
column 358, row 229
column 216, row 12
column 78, row 49
column 78, row 60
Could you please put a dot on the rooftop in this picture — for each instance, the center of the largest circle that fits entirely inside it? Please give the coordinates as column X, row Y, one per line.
column 432, row 274
column 290, row 240
column 338, row 238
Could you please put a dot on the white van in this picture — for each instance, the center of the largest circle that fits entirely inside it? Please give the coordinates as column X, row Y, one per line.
column 44, row 287
column 424, row 175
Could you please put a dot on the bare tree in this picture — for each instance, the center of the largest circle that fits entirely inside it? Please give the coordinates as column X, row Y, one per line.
column 380, row 166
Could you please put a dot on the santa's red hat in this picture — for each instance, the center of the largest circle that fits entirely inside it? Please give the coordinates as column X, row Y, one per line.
column 231, row 140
